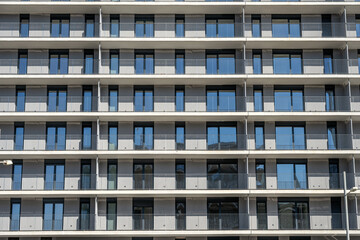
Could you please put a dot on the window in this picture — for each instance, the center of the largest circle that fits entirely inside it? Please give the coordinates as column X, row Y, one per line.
column 59, row 61
column 87, row 99
column 144, row 98
column 290, row 136
column 221, row 137
column 180, row 213
column 15, row 214
column 89, row 61
column 19, row 136
column 22, row 61
column 289, row 99
column 60, row 25
column 222, row 174
column 259, row 136
column 220, row 99
column 331, row 132
column 86, row 136
column 84, row 214
column 286, row 26
column 144, row 25
column 357, row 23
column 291, row 174
column 180, row 174
column 260, row 174
column 113, row 98
column 143, row 218
column 180, row 135
column 261, row 213
column 223, row 213
column 256, row 25
column 220, row 62
column 24, row 25
column 326, row 25
column 57, row 99
column 328, row 61
column 358, row 57
column 179, row 98
column 258, row 99
column 114, row 61
column 112, row 174
column 144, row 136
column 287, row 62
column 220, row 25
column 293, row 213
column 111, row 210
column 55, row 136
column 336, row 216
column 20, row 98
column 53, row 214
column 330, row 98
column 143, row 174
column 179, row 25
column 334, row 180
column 17, row 175
column 85, row 181
column 113, row 135
column 54, row 174
column 144, row 62
column 180, row 62
column 114, row 25
column 257, row 62
column 89, row 25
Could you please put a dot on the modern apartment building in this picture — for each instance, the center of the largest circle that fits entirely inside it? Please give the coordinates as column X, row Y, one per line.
column 164, row 120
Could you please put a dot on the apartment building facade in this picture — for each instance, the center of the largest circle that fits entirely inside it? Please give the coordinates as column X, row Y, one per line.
column 164, row 120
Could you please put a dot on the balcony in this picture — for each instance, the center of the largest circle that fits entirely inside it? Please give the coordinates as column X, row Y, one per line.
column 158, row 222
column 64, row 183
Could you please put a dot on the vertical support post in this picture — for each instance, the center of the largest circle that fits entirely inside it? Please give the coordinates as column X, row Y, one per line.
column 347, row 58
column 95, row 213
column 345, row 21
column 350, row 95
column 243, row 22
column 346, row 208
column 98, row 95
column 352, row 133
column 246, row 133
column 247, row 173
column 98, row 134
column 100, row 22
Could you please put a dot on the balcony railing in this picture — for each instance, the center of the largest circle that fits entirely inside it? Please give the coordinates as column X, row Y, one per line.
column 89, row 2
column 172, row 181
column 201, row 66
column 178, row 104
column 170, row 222
column 182, row 30
column 189, row 142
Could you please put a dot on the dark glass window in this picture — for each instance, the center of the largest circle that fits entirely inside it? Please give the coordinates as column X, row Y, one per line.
column 143, row 174
column 180, row 176
column 293, row 213
column 291, row 174
column 221, row 136
column 19, row 136
column 88, row 61
column 260, row 174
column 22, row 61
column 180, row 135
column 113, row 135
column 223, row 213
column 180, row 62
column 55, row 136
column 15, row 214
column 17, row 170
column 336, row 216
column 57, row 99
column 261, row 212
column 180, row 213
column 85, row 174
column 86, row 136
column 259, row 136
column 111, row 216
column 144, row 98
column 24, row 25
column 84, row 214
column 143, row 136
column 114, row 25
column 222, row 174
column 144, row 25
column 334, row 180
column 331, row 132
column 221, row 99
column 54, row 174
column 59, row 61
column 290, row 136
column 220, row 62
column 112, row 169
column 113, row 98
column 144, row 61
column 179, row 25
column 53, row 214
column 256, row 25
column 20, row 98
column 143, row 209
column 87, row 98
column 89, row 25
column 60, row 25
column 220, row 25
column 286, row 26
column 179, row 98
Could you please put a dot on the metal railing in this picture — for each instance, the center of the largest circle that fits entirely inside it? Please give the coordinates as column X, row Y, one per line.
column 278, row 28
column 201, row 66
column 178, row 104
column 172, row 181
column 172, row 222
column 173, row 142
